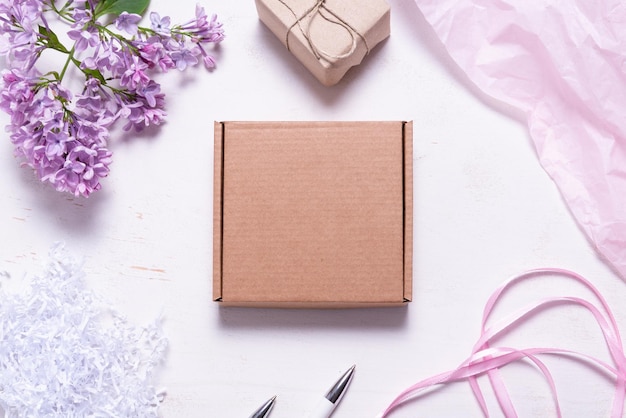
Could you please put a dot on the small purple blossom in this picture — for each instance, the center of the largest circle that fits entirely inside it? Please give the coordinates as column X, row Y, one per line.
column 64, row 135
column 154, row 53
column 159, row 25
column 209, row 62
column 85, row 38
column 185, row 56
column 135, row 75
column 140, row 114
column 204, row 30
column 82, row 170
column 56, row 143
column 128, row 22
column 81, row 14
column 150, row 92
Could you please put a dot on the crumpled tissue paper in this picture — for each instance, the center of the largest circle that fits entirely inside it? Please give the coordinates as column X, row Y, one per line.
column 563, row 64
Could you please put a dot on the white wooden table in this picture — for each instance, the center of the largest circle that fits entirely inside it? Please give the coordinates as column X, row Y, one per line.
column 484, row 210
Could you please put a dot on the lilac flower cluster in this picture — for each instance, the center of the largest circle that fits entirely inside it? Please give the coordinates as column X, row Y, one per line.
column 63, row 135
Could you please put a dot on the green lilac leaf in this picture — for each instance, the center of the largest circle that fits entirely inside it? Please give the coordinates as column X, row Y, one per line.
column 90, row 72
column 51, row 39
column 95, row 74
column 116, row 7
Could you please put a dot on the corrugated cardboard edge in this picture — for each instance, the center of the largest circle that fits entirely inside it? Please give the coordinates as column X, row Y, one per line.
column 408, row 210
column 313, row 305
column 327, row 73
column 218, row 187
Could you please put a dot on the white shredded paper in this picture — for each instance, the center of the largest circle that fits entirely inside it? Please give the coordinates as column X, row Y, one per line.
column 63, row 354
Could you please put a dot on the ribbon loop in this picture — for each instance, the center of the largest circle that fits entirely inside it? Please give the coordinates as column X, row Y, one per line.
column 487, row 360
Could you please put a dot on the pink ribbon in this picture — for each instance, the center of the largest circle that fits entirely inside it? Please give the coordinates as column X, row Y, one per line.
column 486, row 360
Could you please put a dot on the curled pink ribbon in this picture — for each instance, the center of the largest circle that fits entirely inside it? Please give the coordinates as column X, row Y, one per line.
column 486, row 360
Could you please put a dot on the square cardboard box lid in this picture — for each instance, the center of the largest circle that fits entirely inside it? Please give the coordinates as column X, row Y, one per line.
column 313, row 214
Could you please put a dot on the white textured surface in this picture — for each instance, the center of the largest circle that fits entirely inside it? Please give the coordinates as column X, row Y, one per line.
column 484, row 210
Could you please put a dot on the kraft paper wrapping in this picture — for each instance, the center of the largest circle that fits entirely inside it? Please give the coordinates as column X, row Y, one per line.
column 327, row 36
column 562, row 63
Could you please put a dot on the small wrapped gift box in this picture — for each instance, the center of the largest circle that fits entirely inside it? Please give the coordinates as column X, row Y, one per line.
column 313, row 214
column 327, row 36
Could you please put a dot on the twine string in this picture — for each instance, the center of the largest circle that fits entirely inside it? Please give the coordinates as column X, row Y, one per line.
column 319, row 9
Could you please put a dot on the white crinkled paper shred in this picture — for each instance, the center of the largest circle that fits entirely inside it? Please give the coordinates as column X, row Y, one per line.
column 63, row 354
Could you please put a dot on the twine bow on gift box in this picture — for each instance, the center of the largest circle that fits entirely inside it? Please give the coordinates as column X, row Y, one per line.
column 319, row 9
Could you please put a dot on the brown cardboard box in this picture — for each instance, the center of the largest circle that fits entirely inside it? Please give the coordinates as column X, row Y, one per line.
column 328, row 37
column 313, row 214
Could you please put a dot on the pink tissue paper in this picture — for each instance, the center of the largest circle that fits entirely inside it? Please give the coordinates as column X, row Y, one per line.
column 562, row 63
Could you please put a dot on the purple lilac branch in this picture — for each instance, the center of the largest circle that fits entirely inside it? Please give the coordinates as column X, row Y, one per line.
column 62, row 135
